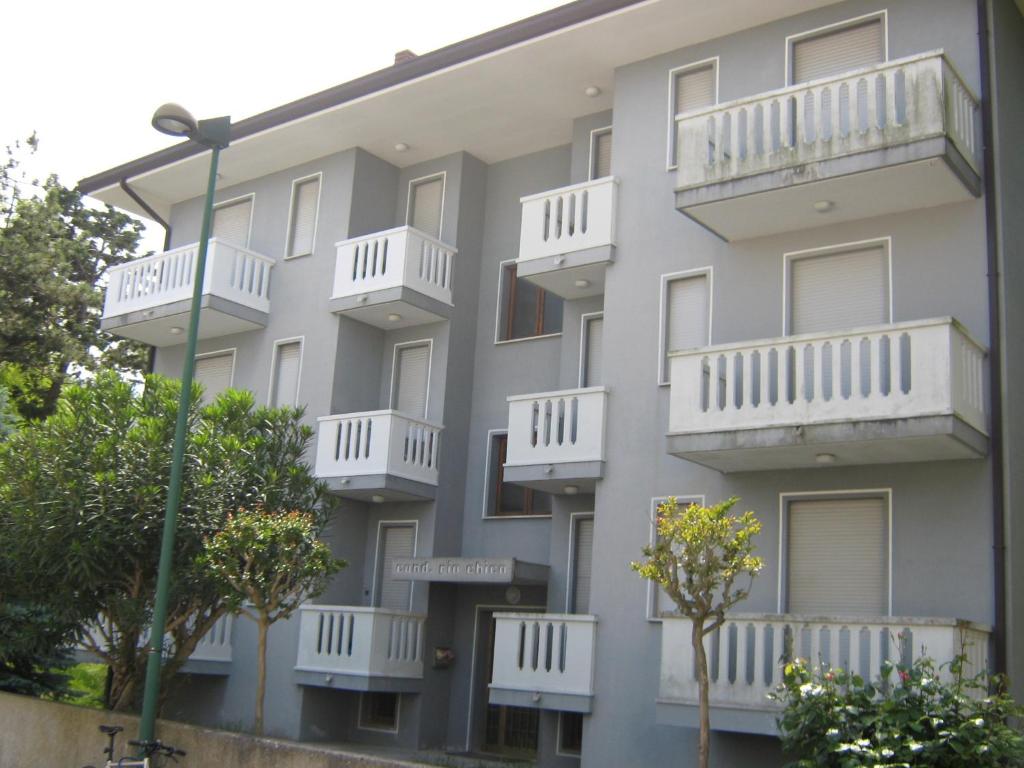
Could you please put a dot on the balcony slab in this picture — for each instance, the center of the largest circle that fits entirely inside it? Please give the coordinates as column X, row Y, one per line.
column 560, row 702
column 386, row 487
column 217, row 317
column 377, row 307
column 552, row 478
column 573, row 275
column 362, row 683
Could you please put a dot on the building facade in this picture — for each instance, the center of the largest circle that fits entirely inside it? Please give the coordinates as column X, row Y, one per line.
column 530, row 285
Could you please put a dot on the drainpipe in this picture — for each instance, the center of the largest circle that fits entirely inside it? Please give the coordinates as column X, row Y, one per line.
column 995, row 342
column 151, row 364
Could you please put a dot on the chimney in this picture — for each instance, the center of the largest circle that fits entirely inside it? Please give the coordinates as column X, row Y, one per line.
column 403, row 56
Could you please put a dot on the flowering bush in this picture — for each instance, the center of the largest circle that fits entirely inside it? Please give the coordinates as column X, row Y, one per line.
column 839, row 720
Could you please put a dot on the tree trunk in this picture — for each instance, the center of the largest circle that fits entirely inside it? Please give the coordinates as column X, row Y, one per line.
column 704, row 747
column 261, row 671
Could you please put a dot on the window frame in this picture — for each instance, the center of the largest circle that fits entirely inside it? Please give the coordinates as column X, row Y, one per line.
column 782, row 597
column 502, row 270
column 559, row 749
column 493, row 484
column 792, row 40
column 290, row 229
column 666, row 279
column 429, row 343
column 585, row 319
column 671, row 158
column 443, row 176
column 274, row 361
column 570, row 582
column 594, row 134
column 379, row 549
column 831, row 250
column 233, row 351
column 362, row 726
column 251, row 196
column 651, row 607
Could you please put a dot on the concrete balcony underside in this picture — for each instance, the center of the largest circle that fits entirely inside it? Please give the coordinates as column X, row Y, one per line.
column 217, row 317
column 376, row 307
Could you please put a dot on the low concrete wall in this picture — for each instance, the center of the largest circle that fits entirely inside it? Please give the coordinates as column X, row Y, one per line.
column 35, row 733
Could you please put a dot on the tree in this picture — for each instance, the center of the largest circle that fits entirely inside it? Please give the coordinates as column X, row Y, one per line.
column 82, row 498
column 274, row 561
column 698, row 555
column 8, row 415
column 54, row 255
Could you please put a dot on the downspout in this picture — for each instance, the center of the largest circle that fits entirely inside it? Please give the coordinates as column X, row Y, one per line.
column 995, row 343
column 151, row 365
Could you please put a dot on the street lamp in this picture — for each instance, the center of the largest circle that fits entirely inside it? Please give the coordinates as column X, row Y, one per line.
column 175, row 120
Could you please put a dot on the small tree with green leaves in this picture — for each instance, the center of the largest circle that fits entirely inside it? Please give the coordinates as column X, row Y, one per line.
column 269, row 563
column 699, row 555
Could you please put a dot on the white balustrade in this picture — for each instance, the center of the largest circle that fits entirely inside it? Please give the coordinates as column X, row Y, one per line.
column 544, row 652
column 377, row 443
column 232, row 272
column 215, row 645
column 368, row 642
column 392, row 259
column 747, row 653
column 886, row 105
column 556, row 427
column 568, row 219
column 901, row 370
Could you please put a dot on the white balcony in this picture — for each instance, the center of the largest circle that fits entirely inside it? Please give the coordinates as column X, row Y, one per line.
column 149, row 299
column 361, row 649
column 898, row 136
column 393, row 279
column 568, row 237
column 556, row 439
column 746, row 656
column 909, row 391
column 544, row 660
column 378, row 455
column 212, row 654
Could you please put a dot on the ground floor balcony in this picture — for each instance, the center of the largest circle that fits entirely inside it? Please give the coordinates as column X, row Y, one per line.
column 747, row 654
column 544, row 661
column 378, row 456
column 567, row 238
column 394, row 279
column 556, row 440
column 893, row 393
column 149, row 299
column 360, row 649
column 897, row 136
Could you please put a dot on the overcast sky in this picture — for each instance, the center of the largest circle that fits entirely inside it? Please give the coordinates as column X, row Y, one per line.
column 87, row 75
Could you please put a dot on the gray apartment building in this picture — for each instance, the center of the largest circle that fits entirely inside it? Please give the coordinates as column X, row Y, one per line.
column 531, row 284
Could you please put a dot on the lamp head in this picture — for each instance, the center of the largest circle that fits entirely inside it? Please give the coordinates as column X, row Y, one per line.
column 174, row 120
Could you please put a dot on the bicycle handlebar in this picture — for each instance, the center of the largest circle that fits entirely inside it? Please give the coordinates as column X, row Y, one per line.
column 150, row 748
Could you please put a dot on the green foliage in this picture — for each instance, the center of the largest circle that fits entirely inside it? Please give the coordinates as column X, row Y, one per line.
column 87, row 683
column 34, row 655
column 54, row 256
column 82, row 497
column 9, row 417
column 925, row 717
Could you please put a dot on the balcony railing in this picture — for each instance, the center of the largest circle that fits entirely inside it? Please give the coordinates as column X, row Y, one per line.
column 401, row 257
column 895, row 371
column 544, row 653
column 890, row 104
column 232, row 272
column 556, row 427
column 746, row 655
column 568, row 219
column 215, row 645
column 378, row 443
column 364, row 642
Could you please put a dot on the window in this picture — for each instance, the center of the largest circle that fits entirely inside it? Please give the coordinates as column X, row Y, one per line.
column 524, row 309
column 837, row 556
column 284, row 386
column 303, row 216
column 426, row 200
column 601, row 153
column 591, row 360
column 214, row 372
column 393, row 541
column 378, row 711
column 570, row 733
column 658, row 601
column 686, row 316
column 231, row 222
column 582, row 561
column 837, row 50
column 692, row 87
column 838, row 289
column 410, row 378
column 506, row 499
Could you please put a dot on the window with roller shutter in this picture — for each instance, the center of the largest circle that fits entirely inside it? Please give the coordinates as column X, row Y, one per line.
column 303, row 216
column 285, row 383
column 692, row 88
column 591, row 352
column 395, row 541
column 686, row 321
column 839, row 291
column 426, row 202
column 232, row 222
column 214, row 373
column 409, row 389
column 601, row 154
column 583, row 549
column 837, row 51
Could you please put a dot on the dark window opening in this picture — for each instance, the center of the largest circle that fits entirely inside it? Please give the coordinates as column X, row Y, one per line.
column 379, row 710
column 570, row 733
column 526, row 310
column 506, row 498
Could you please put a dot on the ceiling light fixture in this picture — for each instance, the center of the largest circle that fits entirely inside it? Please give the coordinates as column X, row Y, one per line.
column 824, row 206
column 592, row 91
column 401, row 147
column 394, row 317
column 571, row 490
column 825, row 458
column 581, row 283
column 176, row 330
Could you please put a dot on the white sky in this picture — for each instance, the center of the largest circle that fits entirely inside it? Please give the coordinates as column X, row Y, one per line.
column 87, row 74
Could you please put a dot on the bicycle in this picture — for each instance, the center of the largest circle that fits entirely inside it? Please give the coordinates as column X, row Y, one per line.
column 148, row 750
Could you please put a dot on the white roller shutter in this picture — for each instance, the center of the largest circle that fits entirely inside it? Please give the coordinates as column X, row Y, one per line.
column 286, row 374
column 592, row 361
column 686, row 321
column 837, row 557
column 582, row 565
column 839, row 291
column 601, row 163
column 231, row 222
column 410, row 395
column 214, row 373
column 426, row 201
column 695, row 89
column 835, row 53
column 397, row 541
column 303, row 217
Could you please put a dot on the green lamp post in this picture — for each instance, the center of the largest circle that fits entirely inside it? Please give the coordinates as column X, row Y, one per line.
column 215, row 133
